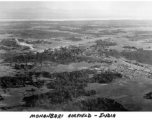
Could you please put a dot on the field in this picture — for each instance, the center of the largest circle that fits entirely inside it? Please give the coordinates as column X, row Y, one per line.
column 98, row 65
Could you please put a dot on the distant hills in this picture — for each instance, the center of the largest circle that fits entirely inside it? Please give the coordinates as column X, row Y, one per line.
column 45, row 13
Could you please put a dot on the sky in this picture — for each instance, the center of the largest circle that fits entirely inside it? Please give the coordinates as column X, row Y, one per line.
column 76, row 10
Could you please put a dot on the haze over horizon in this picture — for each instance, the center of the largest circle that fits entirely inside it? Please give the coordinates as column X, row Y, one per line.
column 76, row 10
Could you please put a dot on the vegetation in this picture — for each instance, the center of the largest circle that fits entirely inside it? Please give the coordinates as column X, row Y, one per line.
column 140, row 55
column 11, row 82
column 41, row 34
column 105, row 43
column 62, row 55
column 68, row 86
column 9, row 43
column 74, row 38
column 130, row 47
column 148, row 95
column 99, row 104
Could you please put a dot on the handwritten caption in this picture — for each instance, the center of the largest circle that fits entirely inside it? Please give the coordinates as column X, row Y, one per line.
column 79, row 115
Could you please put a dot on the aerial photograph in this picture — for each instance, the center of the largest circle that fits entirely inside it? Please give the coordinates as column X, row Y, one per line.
column 76, row 56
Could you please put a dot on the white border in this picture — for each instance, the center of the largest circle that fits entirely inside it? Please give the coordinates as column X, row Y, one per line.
column 119, row 115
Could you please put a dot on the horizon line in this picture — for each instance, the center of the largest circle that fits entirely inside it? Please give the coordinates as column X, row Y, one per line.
column 79, row 19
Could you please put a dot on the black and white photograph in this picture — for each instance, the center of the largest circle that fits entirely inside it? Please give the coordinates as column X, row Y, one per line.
column 76, row 56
